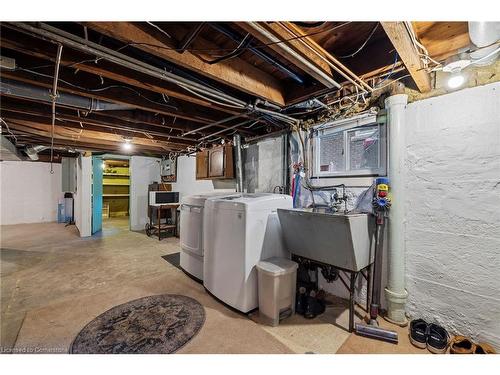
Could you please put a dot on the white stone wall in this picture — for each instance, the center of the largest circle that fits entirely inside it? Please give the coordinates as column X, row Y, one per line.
column 29, row 192
column 452, row 199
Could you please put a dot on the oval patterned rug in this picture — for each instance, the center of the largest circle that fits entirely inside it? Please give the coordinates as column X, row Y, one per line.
column 158, row 324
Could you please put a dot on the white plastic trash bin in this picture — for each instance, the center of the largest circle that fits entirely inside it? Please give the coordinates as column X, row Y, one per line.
column 277, row 278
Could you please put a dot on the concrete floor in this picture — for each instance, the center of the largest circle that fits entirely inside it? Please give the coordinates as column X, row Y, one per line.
column 53, row 283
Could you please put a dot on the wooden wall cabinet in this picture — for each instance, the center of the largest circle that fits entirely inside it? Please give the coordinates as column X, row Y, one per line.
column 215, row 163
column 202, row 164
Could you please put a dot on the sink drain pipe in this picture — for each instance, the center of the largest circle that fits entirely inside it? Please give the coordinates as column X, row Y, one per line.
column 395, row 291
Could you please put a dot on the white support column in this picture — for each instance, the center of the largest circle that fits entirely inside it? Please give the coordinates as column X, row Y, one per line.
column 395, row 292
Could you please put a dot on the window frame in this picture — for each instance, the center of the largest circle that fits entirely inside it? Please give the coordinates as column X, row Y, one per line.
column 344, row 127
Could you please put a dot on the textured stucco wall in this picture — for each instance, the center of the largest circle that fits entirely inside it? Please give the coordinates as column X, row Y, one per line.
column 452, row 199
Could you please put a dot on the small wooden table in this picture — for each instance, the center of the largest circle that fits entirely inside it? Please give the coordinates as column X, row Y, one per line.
column 158, row 227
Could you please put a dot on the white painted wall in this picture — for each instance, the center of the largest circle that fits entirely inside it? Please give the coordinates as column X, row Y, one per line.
column 188, row 185
column 29, row 193
column 143, row 171
column 452, row 199
column 83, row 196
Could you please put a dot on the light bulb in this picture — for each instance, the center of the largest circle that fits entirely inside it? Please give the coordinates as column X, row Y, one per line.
column 127, row 146
column 456, row 80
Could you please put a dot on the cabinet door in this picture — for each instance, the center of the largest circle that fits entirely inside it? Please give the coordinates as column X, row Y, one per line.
column 202, row 164
column 216, row 162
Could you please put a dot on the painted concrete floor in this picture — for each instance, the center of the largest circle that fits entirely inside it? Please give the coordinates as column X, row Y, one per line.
column 53, row 283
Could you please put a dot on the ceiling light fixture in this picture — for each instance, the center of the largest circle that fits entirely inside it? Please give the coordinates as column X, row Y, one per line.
column 455, row 80
column 454, row 66
column 127, row 144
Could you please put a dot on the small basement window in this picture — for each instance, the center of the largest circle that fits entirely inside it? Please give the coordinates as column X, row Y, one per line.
column 352, row 148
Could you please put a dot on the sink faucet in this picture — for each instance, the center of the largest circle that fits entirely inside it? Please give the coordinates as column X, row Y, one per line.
column 336, row 201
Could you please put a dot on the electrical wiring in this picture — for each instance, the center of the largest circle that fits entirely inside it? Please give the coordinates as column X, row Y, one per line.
column 485, row 57
column 231, row 55
column 419, row 47
column 391, row 71
column 224, row 50
column 362, row 45
column 159, row 29
column 8, row 129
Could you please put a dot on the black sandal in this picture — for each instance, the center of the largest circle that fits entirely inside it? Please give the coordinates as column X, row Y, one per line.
column 418, row 333
column 437, row 340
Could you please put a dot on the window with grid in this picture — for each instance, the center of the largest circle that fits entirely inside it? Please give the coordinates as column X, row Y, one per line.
column 350, row 150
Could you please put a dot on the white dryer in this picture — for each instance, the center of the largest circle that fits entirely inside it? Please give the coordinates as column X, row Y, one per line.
column 191, row 228
column 239, row 232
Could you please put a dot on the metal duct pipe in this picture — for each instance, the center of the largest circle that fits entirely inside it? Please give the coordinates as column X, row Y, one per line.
column 324, row 78
column 53, row 34
column 56, row 35
column 484, row 35
column 32, row 151
column 395, row 292
column 286, row 170
column 238, row 162
column 264, row 56
column 26, row 91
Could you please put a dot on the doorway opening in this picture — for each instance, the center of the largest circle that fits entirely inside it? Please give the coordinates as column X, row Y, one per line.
column 110, row 193
column 115, row 194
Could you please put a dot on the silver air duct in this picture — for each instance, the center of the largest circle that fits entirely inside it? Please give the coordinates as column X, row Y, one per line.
column 23, row 90
column 484, row 35
column 238, row 162
column 32, row 151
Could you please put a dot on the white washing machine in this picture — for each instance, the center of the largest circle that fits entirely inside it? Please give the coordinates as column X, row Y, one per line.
column 191, row 228
column 239, row 232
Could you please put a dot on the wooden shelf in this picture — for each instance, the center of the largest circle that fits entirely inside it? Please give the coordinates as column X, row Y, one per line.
column 115, row 195
column 116, row 174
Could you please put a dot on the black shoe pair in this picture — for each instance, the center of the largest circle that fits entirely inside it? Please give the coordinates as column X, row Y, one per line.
column 310, row 305
column 431, row 336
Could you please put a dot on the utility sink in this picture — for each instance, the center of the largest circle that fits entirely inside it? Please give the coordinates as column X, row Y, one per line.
column 346, row 241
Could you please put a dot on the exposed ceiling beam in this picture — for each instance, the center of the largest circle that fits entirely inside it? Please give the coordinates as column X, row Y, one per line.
column 293, row 50
column 236, row 73
column 401, row 40
column 42, row 50
column 442, row 39
column 124, row 119
column 108, row 126
column 41, row 126
column 113, row 95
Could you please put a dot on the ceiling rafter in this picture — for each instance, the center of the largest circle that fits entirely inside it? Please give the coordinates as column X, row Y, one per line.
column 401, row 40
column 236, row 73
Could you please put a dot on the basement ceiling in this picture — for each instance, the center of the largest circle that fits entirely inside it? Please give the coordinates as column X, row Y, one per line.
column 179, row 86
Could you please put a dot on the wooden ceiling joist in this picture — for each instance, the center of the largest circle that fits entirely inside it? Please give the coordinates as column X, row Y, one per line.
column 292, row 50
column 64, row 119
column 236, row 72
column 401, row 40
column 102, row 69
column 36, row 125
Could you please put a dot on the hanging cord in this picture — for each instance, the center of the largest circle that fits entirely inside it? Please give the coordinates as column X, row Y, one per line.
column 8, row 130
column 54, row 99
column 362, row 45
